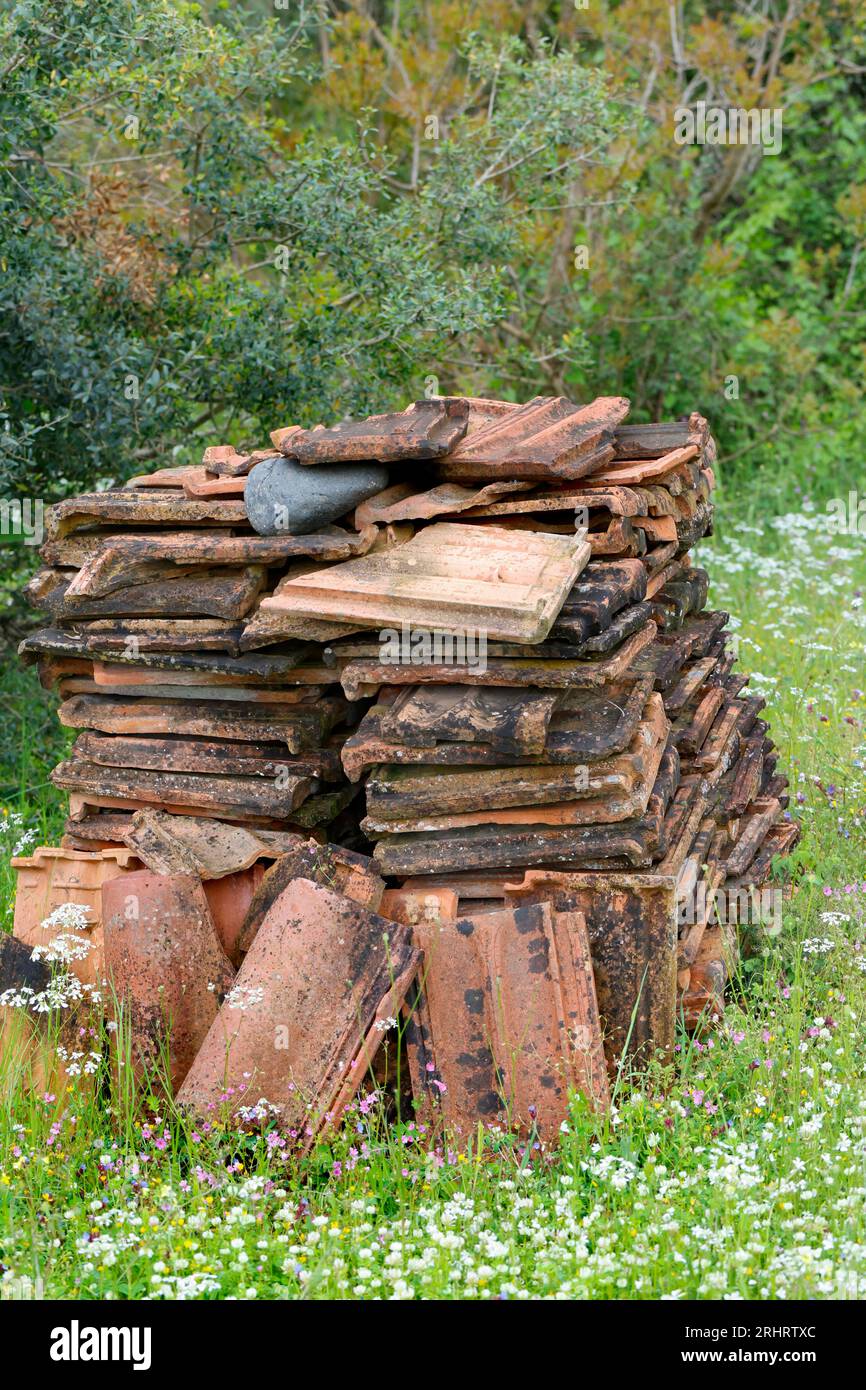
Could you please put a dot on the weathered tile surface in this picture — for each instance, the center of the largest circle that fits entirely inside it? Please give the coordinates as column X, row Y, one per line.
column 168, row 969
column 450, row 576
column 319, row 985
column 506, row 1022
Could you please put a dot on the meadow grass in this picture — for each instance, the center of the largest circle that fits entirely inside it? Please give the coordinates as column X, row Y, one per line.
column 738, row 1173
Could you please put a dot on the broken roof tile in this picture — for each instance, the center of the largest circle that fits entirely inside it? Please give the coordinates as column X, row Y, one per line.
column 226, row 594
column 564, row 497
column 126, row 560
column 632, row 923
column 184, row 844
column 322, row 979
column 168, row 969
column 224, row 461
column 549, row 437
column 403, row 501
column 652, row 441
column 506, row 1022
column 427, row 429
column 512, row 721
column 632, row 471
column 587, row 724
column 119, row 507
column 354, row 875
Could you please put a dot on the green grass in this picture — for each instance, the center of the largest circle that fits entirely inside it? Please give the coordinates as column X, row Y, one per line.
column 740, row 1174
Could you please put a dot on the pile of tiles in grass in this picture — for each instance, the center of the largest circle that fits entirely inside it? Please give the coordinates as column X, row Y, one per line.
column 466, row 648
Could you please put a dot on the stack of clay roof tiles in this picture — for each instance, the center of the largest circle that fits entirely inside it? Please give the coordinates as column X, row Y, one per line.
column 495, row 674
